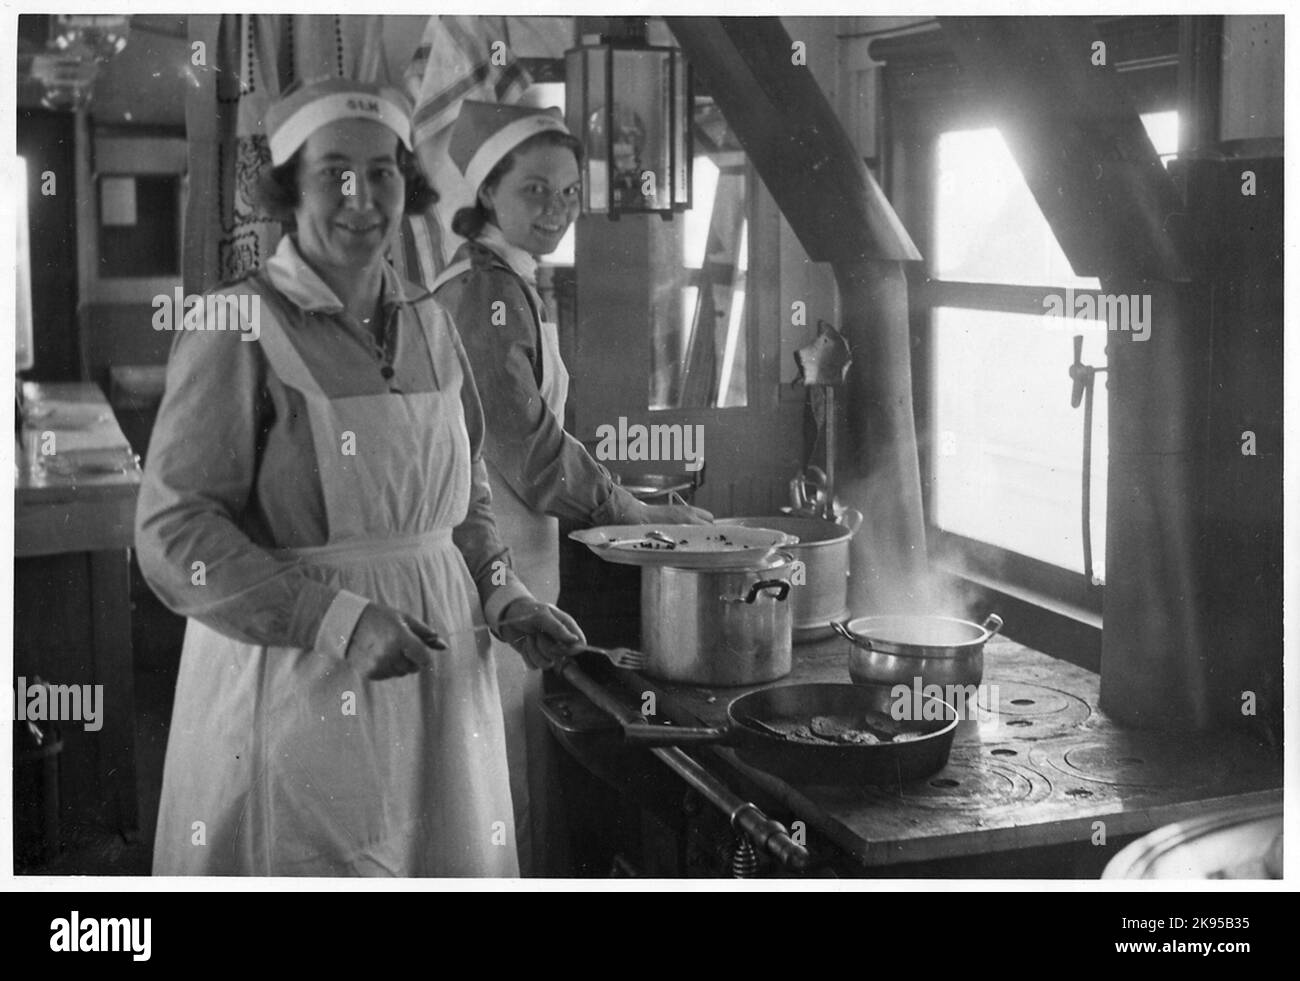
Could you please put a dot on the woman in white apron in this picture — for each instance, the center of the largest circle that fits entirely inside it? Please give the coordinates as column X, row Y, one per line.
column 524, row 164
column 315, row 502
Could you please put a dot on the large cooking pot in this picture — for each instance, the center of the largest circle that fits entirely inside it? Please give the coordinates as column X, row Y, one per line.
column 718, row 626
column 899, row 650
column 753, row 722
column 823, row 548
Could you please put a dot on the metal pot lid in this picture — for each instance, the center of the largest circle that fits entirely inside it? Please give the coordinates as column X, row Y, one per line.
column 683, row 546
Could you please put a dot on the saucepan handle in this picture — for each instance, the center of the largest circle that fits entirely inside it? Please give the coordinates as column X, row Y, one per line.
column 646, row 734
column 842, row 628
column 992, row 624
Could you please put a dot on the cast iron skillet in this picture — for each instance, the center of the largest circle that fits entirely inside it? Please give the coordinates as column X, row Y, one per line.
column 812, row 763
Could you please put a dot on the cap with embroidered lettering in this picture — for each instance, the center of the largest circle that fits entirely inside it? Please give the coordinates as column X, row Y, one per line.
column 303, row 110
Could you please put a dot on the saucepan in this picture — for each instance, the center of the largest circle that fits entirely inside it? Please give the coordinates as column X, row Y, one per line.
column 763, row 728
column 823, row 548
column 899, row 650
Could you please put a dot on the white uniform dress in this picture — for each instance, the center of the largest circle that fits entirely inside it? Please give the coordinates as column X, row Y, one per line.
column 283, row 760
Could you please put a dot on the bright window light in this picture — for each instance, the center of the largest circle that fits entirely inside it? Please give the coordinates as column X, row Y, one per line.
column 1008, row 447
column 1162, row 128
column 695, row 231
column 988, row 227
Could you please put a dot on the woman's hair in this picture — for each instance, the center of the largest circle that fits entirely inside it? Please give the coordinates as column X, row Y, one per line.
column 276, row 191
column 469, row 222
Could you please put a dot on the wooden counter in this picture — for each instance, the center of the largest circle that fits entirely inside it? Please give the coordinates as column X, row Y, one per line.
column 1049, row 770
column 74, row 513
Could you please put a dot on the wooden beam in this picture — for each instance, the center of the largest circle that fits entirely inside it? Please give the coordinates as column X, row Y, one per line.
column 841, row 216
column 796, row 142
column 1080, row 144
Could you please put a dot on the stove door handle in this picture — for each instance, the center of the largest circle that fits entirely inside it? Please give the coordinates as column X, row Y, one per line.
column 771, row 836
column 649, row 734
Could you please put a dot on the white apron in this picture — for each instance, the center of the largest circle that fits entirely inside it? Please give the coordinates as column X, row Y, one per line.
column 534, row 541
column 281, row 761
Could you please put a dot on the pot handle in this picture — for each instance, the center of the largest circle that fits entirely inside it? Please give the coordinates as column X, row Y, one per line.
column 797, row 496
column 851, row 519
column 647, row 734
column 841, row 627
column 782, row 587
column 992, row 624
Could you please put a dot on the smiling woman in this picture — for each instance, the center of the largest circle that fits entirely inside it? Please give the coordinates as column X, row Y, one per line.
column 523, row 164
column 316, row 505
column 278, row 187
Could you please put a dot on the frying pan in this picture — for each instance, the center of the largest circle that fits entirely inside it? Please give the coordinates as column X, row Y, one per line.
column 750, row 716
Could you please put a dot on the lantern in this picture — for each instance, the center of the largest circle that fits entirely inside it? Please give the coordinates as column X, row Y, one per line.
column 630, row 104
column 79, row 45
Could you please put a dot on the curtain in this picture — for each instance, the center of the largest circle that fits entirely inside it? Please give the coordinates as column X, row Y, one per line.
column 458, row 58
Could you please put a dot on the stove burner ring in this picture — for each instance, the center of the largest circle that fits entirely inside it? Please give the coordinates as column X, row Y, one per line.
column 1133, row 761
column 972, row 780
column 1026, row 711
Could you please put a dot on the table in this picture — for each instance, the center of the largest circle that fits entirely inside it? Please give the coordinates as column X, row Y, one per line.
column 73, row 531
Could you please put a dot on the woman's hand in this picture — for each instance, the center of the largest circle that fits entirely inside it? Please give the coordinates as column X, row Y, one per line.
column 669, row 514
column 389, row 644
column 542, row 633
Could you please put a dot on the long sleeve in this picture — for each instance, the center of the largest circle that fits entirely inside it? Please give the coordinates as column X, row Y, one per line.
column 192, row 516
column 546, row 467
column 485, row 554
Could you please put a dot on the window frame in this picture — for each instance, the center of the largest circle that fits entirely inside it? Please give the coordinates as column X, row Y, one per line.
column 924, row 94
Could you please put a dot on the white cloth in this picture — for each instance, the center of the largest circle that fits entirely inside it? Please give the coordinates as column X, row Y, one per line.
column 523, row 262
column 534, row 541
column 285, row 761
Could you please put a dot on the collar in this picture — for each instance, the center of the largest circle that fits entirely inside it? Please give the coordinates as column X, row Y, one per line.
column 516, row 258
column 294, row 277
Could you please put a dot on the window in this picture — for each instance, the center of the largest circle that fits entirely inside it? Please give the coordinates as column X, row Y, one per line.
column 1007, row 455
column 699, row 344
column 1003, row 447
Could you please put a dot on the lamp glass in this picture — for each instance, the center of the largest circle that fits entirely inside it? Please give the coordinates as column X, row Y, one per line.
column 630, row 107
